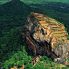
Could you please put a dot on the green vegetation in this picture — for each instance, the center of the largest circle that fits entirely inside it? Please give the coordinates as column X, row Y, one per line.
column 44, row 1
column 36, row 1
column 18, row 59
column 13, row 15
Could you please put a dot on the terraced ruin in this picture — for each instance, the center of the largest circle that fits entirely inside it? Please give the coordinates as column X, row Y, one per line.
column 55, row 30
column 47, row 36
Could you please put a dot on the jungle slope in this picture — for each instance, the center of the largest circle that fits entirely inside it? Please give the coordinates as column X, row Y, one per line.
column 11, row 23
column 37, row 1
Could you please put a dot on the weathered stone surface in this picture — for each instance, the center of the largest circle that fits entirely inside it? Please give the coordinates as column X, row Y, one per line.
column 48, row 36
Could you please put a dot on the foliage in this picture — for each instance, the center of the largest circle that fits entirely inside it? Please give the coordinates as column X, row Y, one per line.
column 12, row 18
column 18, row 59
column 36, row 1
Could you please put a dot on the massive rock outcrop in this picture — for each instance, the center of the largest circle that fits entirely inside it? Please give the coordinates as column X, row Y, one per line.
column 46, row 36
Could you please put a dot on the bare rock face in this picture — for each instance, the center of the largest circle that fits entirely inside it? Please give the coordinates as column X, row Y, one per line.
column 46, row 36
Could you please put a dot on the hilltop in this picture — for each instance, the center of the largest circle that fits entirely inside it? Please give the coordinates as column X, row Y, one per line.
column 37, row 1
column 12, row 18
